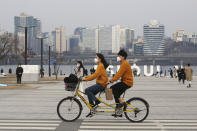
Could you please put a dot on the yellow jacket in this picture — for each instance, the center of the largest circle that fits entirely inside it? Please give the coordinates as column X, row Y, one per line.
column 125, row 73
column 100, row 75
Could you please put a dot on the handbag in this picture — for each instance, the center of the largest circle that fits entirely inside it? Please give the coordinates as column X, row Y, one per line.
column 108, row 94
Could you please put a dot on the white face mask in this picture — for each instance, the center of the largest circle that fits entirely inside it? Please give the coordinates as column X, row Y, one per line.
column 78, row 65
column 95, row 60
column 118, row 59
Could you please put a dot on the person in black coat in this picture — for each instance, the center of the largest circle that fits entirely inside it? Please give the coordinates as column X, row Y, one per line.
column 179, row 74
column 182, row 75
column 19, row 73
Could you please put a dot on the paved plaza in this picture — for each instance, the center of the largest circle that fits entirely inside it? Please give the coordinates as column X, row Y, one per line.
column 172, row 107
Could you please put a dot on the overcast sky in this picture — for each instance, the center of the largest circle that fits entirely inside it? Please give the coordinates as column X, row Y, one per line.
column 174, row 14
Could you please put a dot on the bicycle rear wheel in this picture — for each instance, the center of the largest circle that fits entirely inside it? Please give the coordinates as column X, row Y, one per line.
column 140, row 110
column 69, row 109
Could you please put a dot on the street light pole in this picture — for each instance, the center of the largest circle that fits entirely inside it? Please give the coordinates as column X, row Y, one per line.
column 25, row 45
column 41, row 62
column 49, row 61
column 42, row 56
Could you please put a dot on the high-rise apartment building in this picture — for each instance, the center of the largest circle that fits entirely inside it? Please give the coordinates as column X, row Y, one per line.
column 59, row 38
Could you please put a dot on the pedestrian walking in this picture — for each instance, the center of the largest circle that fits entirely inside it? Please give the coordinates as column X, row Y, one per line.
column 175, row 72
column 182, row 74
column 19, row 73
column 171, row 73
column 161, row 72
column 179, row 74
column 188, row 73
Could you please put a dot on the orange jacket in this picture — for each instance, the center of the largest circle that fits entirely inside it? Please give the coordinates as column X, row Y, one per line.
column 125, row 73
column 100, row 75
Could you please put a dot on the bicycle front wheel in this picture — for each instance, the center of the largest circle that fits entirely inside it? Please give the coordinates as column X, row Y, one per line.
column 137, row 109
column 69, row 109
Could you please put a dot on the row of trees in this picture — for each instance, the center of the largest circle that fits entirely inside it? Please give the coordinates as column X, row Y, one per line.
column 180, row 48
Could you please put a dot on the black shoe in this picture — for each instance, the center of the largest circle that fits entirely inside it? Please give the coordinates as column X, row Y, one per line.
column 97, row 102
column 115, row 115
column 89, row 115
column 120, row 105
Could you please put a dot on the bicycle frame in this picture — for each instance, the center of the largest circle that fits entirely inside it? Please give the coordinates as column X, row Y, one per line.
column 77, row 93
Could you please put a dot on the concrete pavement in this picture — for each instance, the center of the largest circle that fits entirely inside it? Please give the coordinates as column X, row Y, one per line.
column 168, row 101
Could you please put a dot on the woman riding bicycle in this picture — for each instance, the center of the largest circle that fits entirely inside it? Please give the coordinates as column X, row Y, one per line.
column 125, row 73
column 101, row 80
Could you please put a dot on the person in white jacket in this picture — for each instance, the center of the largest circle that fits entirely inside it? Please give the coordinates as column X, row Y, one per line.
column 79, row 71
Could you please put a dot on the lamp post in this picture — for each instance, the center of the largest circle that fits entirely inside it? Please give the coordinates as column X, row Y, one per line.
column 41, row 63
column 50, row 60
column 26, row 27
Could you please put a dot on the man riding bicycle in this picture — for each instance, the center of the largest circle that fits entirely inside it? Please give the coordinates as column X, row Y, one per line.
column 126, row 75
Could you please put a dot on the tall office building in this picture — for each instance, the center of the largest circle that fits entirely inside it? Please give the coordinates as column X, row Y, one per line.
column 116, row 38
column 64, row 46
column 78, row 31
column 122, row 38
column 59, row 38
column 89, row 40
column 154, row 38
column 138, row 47
column 104, row 39
column 129, row 39
column 25, row 20
column 74, row 43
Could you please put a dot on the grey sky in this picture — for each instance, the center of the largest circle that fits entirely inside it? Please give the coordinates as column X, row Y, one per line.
column 174, row 14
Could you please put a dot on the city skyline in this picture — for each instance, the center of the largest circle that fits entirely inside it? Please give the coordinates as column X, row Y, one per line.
column 71, row 14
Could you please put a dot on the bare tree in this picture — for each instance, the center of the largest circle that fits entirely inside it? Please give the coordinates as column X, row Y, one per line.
column 59, row 60
column 7, row 45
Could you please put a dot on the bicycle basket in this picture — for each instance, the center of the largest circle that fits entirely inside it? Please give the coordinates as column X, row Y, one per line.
column 70, row 86
column 70, row 82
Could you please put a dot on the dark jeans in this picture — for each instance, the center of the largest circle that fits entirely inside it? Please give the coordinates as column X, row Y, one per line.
column 92, row 91
column 19, row 79
column 118, row 89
